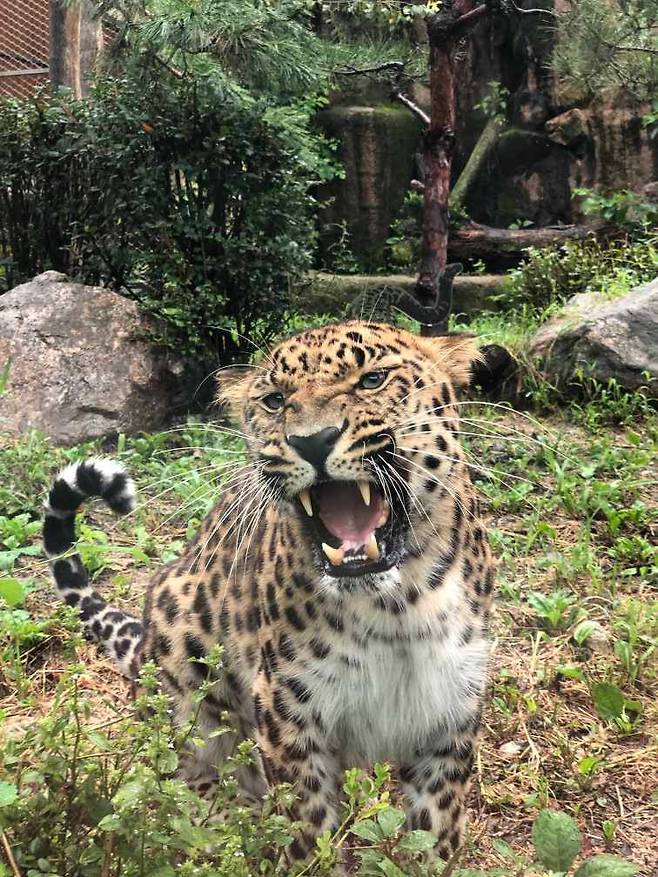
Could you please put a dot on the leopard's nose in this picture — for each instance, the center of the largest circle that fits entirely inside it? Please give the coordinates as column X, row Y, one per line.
column 315, row 448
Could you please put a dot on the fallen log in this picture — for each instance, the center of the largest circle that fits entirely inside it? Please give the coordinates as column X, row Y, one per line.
column 504, row 247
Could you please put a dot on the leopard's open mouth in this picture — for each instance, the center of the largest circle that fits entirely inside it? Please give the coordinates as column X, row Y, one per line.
column 354, row 527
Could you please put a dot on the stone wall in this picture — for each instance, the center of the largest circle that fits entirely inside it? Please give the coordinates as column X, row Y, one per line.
column 376, row 145
column 548, row 150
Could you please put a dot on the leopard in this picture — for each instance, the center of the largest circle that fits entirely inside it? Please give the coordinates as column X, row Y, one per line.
column 345, row 571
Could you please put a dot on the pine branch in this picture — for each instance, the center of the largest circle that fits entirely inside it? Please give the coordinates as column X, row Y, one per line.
column 646, row 49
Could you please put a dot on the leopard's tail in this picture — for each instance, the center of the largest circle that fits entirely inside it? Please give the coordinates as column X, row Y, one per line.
column 118, row 633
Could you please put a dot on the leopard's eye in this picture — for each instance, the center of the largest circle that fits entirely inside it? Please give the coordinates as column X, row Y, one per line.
column 273, row 401
column 372, row 380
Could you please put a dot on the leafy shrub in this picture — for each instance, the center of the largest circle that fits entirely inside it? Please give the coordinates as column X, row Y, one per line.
column 189, row 197
column 623, row 209
column 403, row 244
column 554, row 274
column 107, row 793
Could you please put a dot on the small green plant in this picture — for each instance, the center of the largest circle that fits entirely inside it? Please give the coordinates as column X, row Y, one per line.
column 16, row 534
column 494, row 102
column 609, row 403
column 585, row 631
column 637, row 628
column 403, row 244
column 612, row 706
column 556, row 611
column 340, row 257
column 650, row 119
column 609, row 829
column 558, row 842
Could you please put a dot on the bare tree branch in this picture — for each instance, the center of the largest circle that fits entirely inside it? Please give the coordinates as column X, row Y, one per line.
column 521, row 11
column 469, row 18
column 349, row 70
column 410, row 105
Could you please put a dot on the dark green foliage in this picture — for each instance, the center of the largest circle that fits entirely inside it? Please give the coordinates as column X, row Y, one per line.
column 107, row 792
column 188, row 197
column 607, row 45
column 552, row 275
column 403, row 252
column 625, row 209
column 267, row 48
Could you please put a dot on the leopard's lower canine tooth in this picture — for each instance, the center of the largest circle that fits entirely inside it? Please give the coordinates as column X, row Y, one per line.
column 335, row 555
column 372, row 549
column 364, row 489
column 305, row 499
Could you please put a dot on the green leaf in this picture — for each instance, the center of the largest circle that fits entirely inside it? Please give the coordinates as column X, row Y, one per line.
column 584, row 630
column 390, row 868
column 111, row 822
column 417, row 842
column 8, row 793
column 390, row 821
column 557, row 839
column 606, row 866
column 504, row 849
column 587, row 765
column 368, row 830
column 608, row 701
column 570, row 672
column 12, row 592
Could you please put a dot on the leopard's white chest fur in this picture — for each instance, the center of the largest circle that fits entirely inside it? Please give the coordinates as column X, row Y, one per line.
column 393, row 684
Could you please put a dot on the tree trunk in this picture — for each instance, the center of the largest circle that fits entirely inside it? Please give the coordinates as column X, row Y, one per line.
column 445, row 29
column 76, row 41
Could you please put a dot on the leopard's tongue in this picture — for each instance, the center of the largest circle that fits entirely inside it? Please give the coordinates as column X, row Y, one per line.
column 344, row 513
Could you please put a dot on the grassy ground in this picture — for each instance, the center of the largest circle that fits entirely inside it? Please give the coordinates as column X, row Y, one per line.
column 572, row 504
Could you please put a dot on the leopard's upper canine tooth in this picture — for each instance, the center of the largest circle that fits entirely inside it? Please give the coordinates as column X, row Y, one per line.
column 372, row 549
column 364, row 490
column 305, row 499
column 335, row 555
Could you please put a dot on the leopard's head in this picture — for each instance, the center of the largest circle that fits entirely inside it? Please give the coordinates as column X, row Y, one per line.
column 355, row 425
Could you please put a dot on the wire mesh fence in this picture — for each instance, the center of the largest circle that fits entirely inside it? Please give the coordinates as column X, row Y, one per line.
column 24, row 46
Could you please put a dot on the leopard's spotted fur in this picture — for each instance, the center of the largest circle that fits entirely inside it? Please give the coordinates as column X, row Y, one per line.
column 324, row 671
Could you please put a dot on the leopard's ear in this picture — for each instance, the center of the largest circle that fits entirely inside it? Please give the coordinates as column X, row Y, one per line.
column 457, row 354
column 232, row 384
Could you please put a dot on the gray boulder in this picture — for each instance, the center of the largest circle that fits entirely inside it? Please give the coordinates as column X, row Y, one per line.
column 79, row 365
column 605, row 339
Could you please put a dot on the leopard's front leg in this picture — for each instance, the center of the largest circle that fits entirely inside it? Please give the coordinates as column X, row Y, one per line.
column 294, row 748
column 435, row 784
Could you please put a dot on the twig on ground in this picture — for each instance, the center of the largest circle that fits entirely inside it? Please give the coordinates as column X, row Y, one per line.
column 9, row 855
